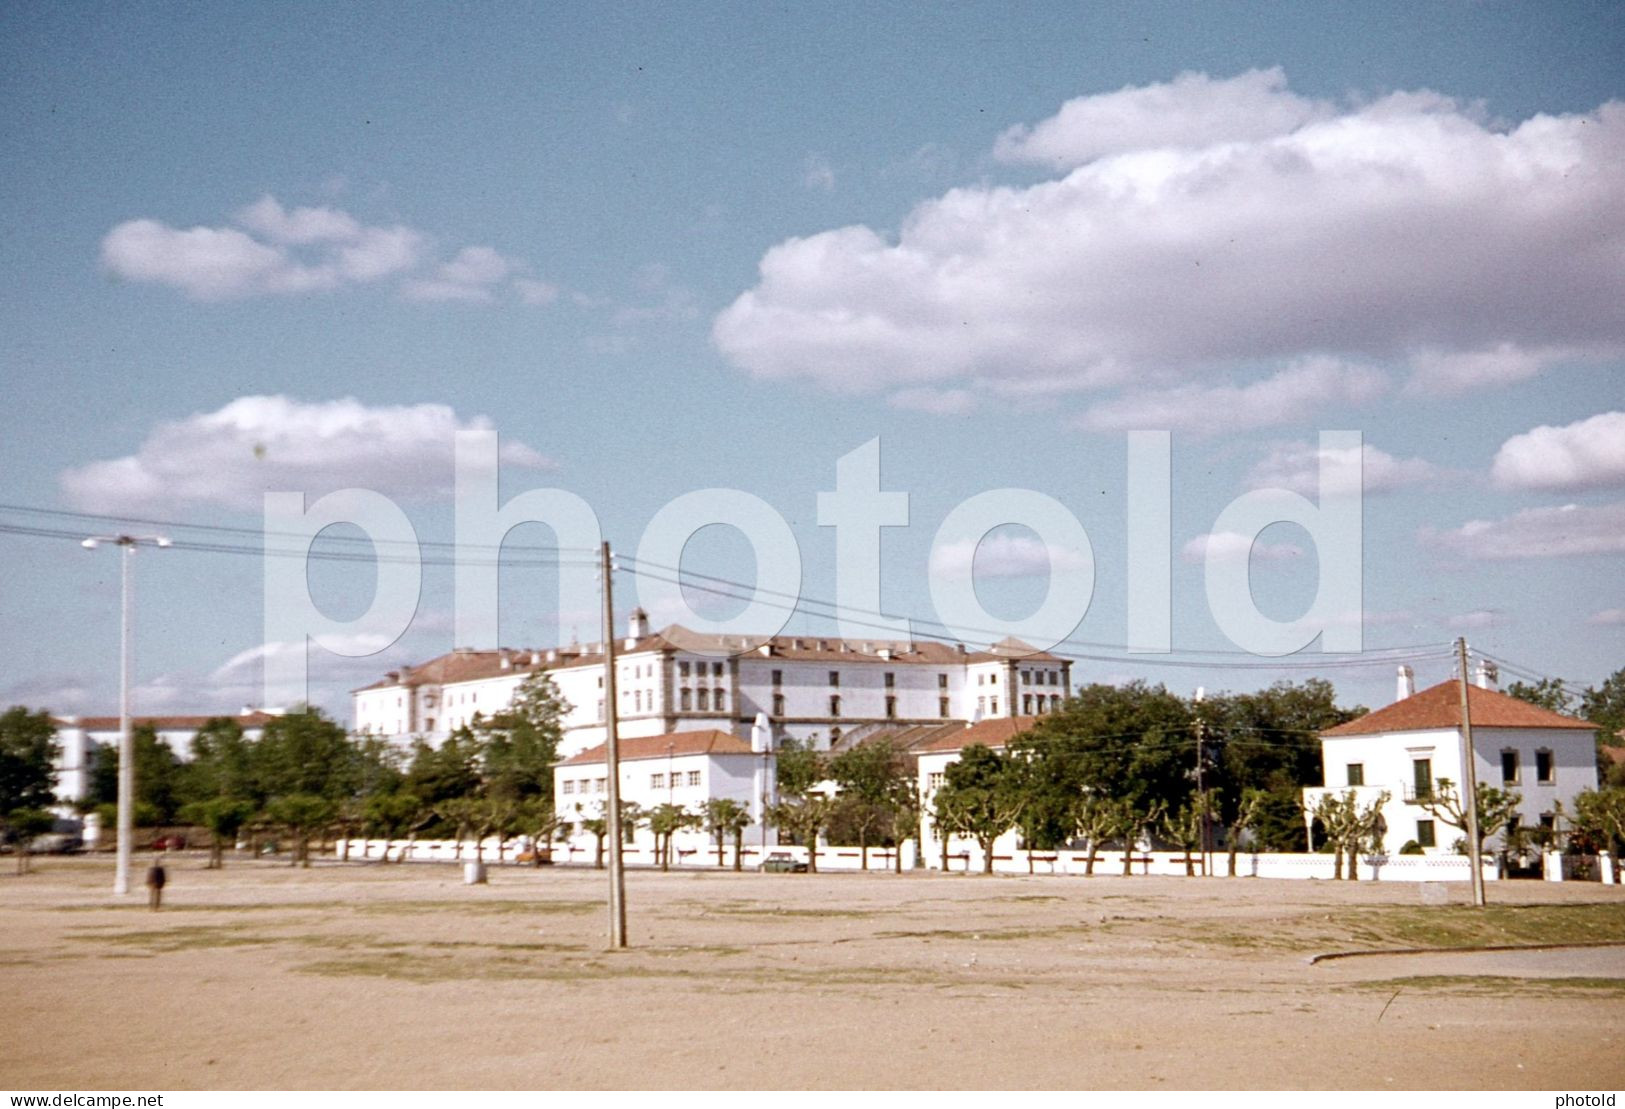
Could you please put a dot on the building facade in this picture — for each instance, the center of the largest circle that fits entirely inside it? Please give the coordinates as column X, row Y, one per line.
column 814, row 689
column 78, row 735
column 1406, row 749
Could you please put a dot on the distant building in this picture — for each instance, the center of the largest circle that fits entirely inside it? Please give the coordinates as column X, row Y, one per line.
column 935, row 755
column 1407, row 748
column 816, row 689
column 77, row 735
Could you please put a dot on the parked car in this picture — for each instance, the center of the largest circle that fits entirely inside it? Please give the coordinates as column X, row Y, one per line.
column 782, row 862
column 56, row 843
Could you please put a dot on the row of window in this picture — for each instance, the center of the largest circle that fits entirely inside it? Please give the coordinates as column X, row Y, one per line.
column 709, row 700
column 658, row 781
column 1038, row 704
column 584, row 785
column 1045, row 677
column 700, row 669
column 1422, row 772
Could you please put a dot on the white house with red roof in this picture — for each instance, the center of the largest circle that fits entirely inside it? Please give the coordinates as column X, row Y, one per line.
column 78, row 735
column 1407, row 748
column 935, row 756
column 815, row 689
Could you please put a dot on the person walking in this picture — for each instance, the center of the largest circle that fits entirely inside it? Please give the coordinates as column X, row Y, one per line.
column 155, row 885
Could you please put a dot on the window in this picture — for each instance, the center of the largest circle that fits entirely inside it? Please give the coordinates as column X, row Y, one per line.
column 891, row 680
column 1054, row 702
column 1356, row 773
column 637, row 698
column 705, row 699
column 1026, row 704
column 778, row 704
column 717, row 700
column 601, row 785
column 600, row 709
column 981, row 679
column 942, row 707
column 942, row 681
column 891, row 708
column 834, row 736
column 834, row 679
column 933, row 780
column 993, row 678
column 693, row 777
column 1026, row 677
column 1509, row 766
column 1422, row 779
column 567, row 786
column 430, row 723
column 1543, row 767
column 600, row 681
column 835, row 706
column 778, row 678
column 682, row 669
column 658, row 781
column 716, row 669
column 981, row 705
column 993, row 706
column 685, row 699
column 1424, row 834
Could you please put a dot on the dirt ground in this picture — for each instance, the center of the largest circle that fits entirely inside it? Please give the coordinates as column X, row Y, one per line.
column 375, row 976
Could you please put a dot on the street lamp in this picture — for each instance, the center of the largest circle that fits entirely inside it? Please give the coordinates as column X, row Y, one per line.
column 126, row 745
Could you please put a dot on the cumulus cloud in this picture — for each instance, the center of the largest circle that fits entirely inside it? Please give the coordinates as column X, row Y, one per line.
column 1230, row 546
column 1551, row 532
column 1587, row 454
column 1608, row 617
column 1005, row 556
column 1450, row 372
column 1191, row 110
column 277, row 250
column 1403, row 230
column 1476, row 620
column 1347, row 470
column 232, row 456
column 1292, row 395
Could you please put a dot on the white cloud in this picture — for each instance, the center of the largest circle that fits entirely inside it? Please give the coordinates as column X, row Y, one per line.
column 231, row 457
column 1292, row 395
column 1450, row 372
column 1405, row 229
column 472, row 275
column 532, row 291
column 1587, row 454
column 818, row 174
column 1476, row 620
column 1005, row 556
column 1229, row 546
column 940, row 402
column 1191, row 110
column 1552, row 532
column 305, row 250
column 1365, row 469
column 1608, row 617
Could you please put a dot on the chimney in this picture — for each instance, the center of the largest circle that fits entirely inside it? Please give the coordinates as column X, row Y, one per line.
column 1407, row 684
column 1487, row 675
column 535, row 658
column 637, row 625
column 504, row 662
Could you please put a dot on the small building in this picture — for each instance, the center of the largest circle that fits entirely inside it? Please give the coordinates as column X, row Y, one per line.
column 935, row 756
column 77, row 735
column 1410, row 746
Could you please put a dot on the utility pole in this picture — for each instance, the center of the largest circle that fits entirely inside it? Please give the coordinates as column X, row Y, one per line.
column 612, row 756
column 1207, row 847
column 1470, row 777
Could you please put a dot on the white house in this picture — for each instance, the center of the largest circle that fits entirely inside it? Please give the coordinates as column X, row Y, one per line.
column 76, row 735
column 685, row 768
column 811, row 688
column 935, row 756
column 1406, row 748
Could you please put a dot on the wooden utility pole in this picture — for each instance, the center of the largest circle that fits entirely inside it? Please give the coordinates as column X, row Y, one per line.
column 1201, row 793
column 612, row 757
column 1469, row 778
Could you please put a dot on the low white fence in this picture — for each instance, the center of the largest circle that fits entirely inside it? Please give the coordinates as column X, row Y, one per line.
column 581, row 852
column 1386, row 868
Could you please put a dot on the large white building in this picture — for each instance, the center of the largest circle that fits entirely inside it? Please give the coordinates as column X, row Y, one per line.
column 1407, row 748
column 811, row 688
column 76, row 736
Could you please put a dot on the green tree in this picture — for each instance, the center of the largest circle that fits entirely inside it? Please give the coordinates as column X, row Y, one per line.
column 980, row 798
column 1135, row 742
column 1350, row 828
column 449, row 772
column 1184, row 827
column 804, row 817
column 798, row 768
column 303, row 752
column 222, row 764
column 1095, row 819
column 301, row 816
column 1245, row 819
column 665, row 821
column 28, row 754
column 1548, row 693
column 866, row 774
column 540, row 821
column 519, row 745
column 726, row 817
column 158, row 773
column 1601, row 814
column 24, row 825
column 224, row 817
column 1495, row 808
column 903, row 804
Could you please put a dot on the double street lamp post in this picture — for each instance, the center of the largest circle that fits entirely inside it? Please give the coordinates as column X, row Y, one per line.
column 126, row 745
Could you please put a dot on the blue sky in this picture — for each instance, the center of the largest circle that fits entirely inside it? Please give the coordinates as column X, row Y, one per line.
column 661, row 249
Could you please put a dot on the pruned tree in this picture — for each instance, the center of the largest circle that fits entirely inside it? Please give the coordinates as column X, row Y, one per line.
column 24, row 825
column 1095, row 820
column 726, row 817
column 1184, row 827
column 665, row 821
column 1246, row 815
column 301, row 815
column 1349, row 828
column 979, row 798
column 537, row 818
column 903, row 805
column 1495, row 808
column 804, row 817
column 224, row 818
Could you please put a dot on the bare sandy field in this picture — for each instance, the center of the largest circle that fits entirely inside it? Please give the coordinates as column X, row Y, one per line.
column 373, row 976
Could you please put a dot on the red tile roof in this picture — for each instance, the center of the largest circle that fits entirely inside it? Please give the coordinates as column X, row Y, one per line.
column 995, row 732
column 707, row 742
column 163, row 723
column 1439, row 706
